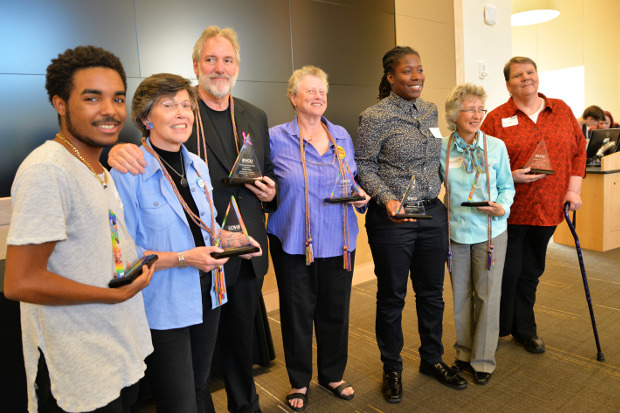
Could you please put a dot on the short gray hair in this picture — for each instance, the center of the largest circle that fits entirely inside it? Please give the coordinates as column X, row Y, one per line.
column 299, row 74
column 214, row 31
column 454, row 102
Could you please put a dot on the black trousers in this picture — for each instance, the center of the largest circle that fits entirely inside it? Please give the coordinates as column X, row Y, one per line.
column 316, row 295
column 237, row 339
column 47, row 403
column 179, row 367
column 525, row 263
column 400, row 251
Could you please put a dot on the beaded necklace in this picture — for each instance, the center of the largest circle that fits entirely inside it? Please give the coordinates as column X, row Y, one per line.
column 103, row 182
column 345, row 208
column 219, row 283
column 490, row 251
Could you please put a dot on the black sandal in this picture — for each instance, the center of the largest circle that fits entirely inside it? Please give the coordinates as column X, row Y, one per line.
column 301, row 396
column 339, row 389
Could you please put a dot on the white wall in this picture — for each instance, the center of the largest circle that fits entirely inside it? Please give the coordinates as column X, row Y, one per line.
column 428, row 27
column 489, row 44
column 585, row 34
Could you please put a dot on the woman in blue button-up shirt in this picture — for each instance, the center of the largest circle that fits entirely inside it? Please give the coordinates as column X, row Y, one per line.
column 475, row 169
column 312, row 242
column 169, row 212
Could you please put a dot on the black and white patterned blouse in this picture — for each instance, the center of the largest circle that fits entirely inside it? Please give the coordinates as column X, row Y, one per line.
column 393, row 143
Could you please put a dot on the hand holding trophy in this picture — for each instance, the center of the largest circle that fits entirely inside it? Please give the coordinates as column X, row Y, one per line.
column 539, row 161
column 246, row 169
column 237, row 240
column 410, row 206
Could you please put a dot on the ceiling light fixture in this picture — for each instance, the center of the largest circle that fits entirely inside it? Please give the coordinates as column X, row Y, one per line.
column 526, row 12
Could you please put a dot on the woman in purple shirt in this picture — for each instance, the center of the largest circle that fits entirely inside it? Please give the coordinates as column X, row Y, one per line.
column 312, row 241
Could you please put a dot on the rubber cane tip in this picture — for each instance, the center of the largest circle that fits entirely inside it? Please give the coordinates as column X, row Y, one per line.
column 600, row 357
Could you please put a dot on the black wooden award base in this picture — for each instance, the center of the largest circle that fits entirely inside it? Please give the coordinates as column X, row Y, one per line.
column 413, row 216
column 475, row 204
column 233, row 252
column 342, row 200
column 534, row 171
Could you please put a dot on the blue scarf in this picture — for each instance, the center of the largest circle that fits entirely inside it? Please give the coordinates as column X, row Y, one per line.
column 473, row 155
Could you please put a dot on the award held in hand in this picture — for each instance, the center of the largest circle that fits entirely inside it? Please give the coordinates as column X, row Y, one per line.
column 539, row 161
column 246, row 169
column 410, row 206
column 234, row 223
column 345, row 188
column 477, row 196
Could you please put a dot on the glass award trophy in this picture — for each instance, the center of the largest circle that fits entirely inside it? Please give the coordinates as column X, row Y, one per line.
column 410, row 206
column 234, row 223
column 539, row 161
column 345, row 188
column 477, row 195
column 246, row 169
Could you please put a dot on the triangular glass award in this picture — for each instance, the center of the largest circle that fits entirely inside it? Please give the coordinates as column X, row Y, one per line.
column 345, row 187
column 477, row 195
column 234, row 223
column 539, row 161
column 246, row 169
column 410, row 206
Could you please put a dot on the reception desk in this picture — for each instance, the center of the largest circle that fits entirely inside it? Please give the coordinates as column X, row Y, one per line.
column 598, row 219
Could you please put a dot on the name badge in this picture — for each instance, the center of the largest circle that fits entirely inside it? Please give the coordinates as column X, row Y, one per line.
column 456, row 162
column 512, row 121
column 436, row 133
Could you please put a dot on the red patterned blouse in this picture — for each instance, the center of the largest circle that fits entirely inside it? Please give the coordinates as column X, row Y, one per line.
column 541, row 202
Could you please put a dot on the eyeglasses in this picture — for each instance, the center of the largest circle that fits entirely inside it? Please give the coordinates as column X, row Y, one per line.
column 171, row 105
column 471, row 111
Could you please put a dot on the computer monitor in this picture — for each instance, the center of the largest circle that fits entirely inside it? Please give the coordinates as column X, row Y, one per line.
column 599, row 137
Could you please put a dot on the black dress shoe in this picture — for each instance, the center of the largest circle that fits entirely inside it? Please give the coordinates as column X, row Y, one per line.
column 460, row 366
column 480, row 377
column 392, row 386
column 443, row 374
column 534, row 344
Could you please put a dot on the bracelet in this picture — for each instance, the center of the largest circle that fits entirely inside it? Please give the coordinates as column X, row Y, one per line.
column 182, row 260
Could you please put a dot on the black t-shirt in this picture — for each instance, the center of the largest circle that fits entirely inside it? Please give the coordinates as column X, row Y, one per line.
column 175, row 160
column 222, row 123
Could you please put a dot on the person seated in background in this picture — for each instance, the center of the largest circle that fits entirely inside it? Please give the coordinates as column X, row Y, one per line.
column 590, row 119
column 473, row 161
column 169, row 209
column 608, row 122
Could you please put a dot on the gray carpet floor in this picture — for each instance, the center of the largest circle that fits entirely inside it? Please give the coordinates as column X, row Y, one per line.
column 566, row 378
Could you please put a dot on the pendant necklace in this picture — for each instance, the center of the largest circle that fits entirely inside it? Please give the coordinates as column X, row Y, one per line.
column 181, row 175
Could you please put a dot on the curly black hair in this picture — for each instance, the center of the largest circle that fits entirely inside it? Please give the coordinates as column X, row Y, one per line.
column 390, row 61
column 59, row 78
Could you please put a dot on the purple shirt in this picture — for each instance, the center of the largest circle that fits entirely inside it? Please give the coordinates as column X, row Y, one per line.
column 288, row 221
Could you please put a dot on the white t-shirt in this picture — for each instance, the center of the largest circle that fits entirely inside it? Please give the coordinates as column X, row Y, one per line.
column 92, row 351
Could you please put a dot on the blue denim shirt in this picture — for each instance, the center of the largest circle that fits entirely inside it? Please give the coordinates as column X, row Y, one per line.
column 467, row 224
column 157, row 222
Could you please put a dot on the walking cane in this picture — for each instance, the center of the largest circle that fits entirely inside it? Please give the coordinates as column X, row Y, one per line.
column 599, row 354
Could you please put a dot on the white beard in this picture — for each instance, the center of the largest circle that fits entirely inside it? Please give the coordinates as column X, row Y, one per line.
column 218, row 89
